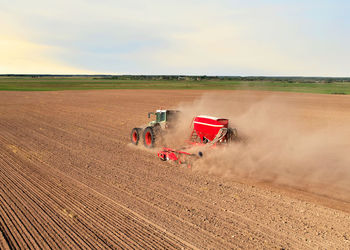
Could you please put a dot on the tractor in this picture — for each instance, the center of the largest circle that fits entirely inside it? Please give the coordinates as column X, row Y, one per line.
column 152, row 132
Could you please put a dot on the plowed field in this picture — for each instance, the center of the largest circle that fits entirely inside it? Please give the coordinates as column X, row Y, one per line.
column 69, row 177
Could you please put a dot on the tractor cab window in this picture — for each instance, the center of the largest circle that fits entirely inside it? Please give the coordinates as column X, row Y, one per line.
column 161, row 117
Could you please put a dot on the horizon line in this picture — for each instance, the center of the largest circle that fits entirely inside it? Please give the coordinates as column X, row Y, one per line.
column 179, row 75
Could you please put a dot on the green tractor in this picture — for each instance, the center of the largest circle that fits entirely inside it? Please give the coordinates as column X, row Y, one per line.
column 152, row 132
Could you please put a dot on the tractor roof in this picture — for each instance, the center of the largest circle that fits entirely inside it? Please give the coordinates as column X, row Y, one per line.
column 167, row 110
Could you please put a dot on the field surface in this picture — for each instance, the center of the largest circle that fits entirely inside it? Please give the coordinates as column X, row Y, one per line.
column 86, row 83
column 69, row 178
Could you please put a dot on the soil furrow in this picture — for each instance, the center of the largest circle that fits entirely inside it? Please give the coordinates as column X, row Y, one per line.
column 42, row 218
column 165, row 212
column 4, row 241
column 18, row 229
column 52, row 210
column 268, row 232
column 9, row 229
column 62, row 208
column 31, row 218
column 75, row 210
column 69, row 177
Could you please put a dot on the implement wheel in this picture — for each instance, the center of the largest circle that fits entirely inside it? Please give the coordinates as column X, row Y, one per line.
column 135, row 135
column 149, row 137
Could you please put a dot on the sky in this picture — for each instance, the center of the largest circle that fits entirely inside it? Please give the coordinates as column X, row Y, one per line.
column 192, row 37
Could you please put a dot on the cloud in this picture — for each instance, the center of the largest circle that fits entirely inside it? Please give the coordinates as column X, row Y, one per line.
column 20, row 56
column 185, row 37
column 267, row 40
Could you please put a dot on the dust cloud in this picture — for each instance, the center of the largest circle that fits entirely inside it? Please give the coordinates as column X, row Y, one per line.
column 284, row 140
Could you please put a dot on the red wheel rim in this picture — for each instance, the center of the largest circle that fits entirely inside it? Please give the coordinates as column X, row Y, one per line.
column 134, row 136
column 148, row 138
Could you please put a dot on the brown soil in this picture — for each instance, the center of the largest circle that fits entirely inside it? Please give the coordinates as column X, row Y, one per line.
column 69, row 177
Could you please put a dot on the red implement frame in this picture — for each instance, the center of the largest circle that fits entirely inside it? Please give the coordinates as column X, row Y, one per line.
column 175, row 155
column 206, row 129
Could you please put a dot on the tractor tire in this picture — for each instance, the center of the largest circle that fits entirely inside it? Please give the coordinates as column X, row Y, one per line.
column 157, row 129
column 158, row 136
column 149, row 137
column 135, row 135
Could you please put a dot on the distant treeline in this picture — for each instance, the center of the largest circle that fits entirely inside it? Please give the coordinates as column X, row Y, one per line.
column 230, row 78
column 289, row 79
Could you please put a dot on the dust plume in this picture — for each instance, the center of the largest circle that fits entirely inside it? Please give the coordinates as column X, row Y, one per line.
column 286, row 141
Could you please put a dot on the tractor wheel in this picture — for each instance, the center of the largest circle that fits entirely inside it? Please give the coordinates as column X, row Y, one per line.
column 157, row 131
column 135, row 135
column 149, row 137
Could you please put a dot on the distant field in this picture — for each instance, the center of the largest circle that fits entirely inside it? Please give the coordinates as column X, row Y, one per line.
column 84, row 83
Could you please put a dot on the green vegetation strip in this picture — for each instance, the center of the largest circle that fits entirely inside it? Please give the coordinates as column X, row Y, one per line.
column 86, row 83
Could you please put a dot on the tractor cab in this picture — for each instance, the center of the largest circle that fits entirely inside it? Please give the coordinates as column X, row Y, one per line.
column 163, row 116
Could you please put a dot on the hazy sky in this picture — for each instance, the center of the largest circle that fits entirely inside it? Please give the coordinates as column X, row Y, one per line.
column 218, row 37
